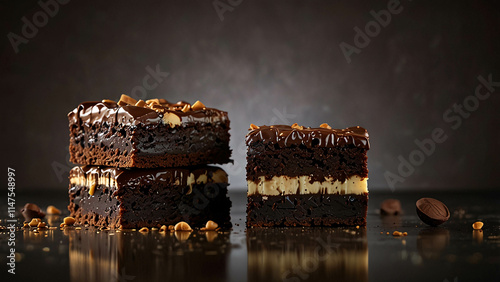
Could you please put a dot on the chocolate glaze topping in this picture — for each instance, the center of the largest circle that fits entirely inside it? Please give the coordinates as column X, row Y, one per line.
column 110, row 112
column 143, row 177
column 286, row 136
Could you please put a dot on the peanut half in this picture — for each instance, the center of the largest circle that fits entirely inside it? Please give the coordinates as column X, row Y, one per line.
column 171, row 119
column 182, row 226
column 34, row 222
column 211, row 225
column 477, row 225
column 69, row 220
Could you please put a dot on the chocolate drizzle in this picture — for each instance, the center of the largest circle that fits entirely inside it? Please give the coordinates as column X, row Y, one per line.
column 97, row 112
column 143, row 177
column 286, row 136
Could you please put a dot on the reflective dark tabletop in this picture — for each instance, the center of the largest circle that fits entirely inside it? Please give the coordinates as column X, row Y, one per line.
column 451, row 252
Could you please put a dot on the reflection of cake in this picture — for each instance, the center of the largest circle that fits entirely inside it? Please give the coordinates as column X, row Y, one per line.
column 152, row 256
column 306, row 176
column 134, row 198
column 310, row 254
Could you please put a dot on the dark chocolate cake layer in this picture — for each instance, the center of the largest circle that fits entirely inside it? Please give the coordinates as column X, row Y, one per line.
column 123, row 198
column 158, row 134
column 307, row 210
column 337, row 163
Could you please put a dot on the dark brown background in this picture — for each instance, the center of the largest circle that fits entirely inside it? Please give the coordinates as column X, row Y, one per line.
column 264, row 60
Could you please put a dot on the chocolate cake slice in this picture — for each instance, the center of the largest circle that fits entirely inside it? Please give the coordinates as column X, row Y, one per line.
column 136, row 198
column 148, row 134
column 300, row 176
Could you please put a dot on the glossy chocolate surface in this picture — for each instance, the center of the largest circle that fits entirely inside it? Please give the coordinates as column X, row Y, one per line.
column 97, row 112
column 285, row 136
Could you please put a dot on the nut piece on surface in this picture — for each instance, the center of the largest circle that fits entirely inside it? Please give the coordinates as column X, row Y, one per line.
column 390, row 207
column 126, row 100
column 53, row 210
column 171, row 227
column 182, row 226
column 477, row 225
column 432, row 211
column 253, row 126
column 398, row 233
column 296, row 126
column 325, row 125
column 140, row 103
column 69, row 220
column 171, row 119
column 42, row 225
column 144, row 229
column 30, row 211
column 163, row 228
column 34, row 222
column 198, row 106
column 211, row 225
column 186, row 108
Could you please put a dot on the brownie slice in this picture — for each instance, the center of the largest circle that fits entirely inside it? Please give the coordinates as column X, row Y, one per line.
column 148, row 134
column 134, row 198
column 300, row 176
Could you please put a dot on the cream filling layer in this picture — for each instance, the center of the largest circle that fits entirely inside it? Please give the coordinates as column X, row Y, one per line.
column 94, row 179
column 285, row 185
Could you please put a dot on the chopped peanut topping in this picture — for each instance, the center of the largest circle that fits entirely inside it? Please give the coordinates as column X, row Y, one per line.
column 253, row 126
column 198, row 106
column 325, row 125
column 126, row 100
